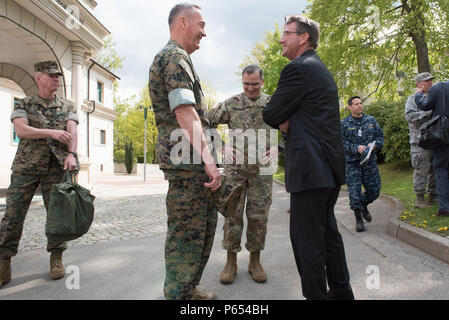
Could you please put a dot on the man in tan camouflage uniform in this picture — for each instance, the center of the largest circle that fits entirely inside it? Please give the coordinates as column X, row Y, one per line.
column 244, row 112
column 47, row 128
column 178, row 104
column 422, row 162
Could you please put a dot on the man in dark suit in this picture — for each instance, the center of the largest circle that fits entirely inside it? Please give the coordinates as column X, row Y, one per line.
column 305, row 106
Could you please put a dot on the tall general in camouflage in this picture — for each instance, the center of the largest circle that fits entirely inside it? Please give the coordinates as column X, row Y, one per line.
column 243, row 113
column 178, row 105
column 47, row 128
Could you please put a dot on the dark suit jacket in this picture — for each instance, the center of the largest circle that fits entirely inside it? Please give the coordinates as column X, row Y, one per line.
column 434, row 101
column 308, row 96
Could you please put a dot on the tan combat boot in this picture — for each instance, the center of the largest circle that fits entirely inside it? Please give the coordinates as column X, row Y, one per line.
column 255, row 268
column 420, row 202
column 5, row 271
column 57, row 270
column 198, row 295
column 432, row 199
column 230, row 269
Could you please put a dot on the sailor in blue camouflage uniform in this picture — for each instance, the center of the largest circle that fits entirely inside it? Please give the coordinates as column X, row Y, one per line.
column 359, row 132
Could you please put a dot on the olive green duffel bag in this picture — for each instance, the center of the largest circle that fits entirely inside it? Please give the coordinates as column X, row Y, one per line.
column 70, row 211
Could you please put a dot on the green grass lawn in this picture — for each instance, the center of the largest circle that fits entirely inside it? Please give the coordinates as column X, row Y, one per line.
column 397, row 181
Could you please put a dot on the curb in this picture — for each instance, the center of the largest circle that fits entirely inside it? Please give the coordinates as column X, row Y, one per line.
column 425, row 241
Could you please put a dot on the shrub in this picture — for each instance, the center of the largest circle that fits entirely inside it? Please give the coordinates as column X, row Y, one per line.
column 129, row 156
column 390, row 116
column 119, row 156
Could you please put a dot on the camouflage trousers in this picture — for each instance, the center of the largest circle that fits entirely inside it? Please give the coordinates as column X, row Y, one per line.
column 191, row 223
column 257, row 195
column 366, row 175
column 18, row 199
column 423, row 174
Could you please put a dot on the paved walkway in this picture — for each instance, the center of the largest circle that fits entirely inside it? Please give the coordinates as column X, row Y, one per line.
column 122, row 255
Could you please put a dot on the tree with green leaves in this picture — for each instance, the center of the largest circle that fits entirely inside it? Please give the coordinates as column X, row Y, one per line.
column 109, row 56
column 130, row 124
column 376, row 47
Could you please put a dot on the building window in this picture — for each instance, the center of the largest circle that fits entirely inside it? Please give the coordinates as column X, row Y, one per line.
column 102, row 137
column 100, row 90
column 15, row 137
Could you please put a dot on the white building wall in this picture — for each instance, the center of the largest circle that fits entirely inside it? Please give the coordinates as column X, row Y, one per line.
column 96, row 77
column 7, row 146
column 101, row 155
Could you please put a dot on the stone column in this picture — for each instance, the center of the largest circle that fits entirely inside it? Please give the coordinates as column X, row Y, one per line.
column 78, row 52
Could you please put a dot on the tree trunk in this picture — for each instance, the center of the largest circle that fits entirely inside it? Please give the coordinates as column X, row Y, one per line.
column 418, row 33
column 422, row 52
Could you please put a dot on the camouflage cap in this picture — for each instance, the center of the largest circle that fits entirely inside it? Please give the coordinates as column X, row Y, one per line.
column 49, row 67
column 227, row 197
column 423, row 77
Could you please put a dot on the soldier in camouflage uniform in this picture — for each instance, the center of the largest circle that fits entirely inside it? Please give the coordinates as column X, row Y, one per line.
column 47, row 128
column 359, row 132
column 178, row 103
column 422, row 160
column 244, row 111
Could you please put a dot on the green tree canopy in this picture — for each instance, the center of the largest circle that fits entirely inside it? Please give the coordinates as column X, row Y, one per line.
column 130, row 125
column 374, row 48
column 109, row 56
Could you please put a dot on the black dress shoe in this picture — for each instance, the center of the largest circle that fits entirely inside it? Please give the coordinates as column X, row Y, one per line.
column 443, row 214
column 366, row 215
column 340, row 294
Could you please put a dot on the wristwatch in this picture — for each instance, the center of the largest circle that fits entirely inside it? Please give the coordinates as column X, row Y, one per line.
column 74, row 153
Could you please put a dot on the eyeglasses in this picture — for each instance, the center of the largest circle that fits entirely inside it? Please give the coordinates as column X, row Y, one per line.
column 289, row 32
column 251, row 84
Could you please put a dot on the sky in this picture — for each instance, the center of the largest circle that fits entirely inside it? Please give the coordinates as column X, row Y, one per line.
column 233, row 27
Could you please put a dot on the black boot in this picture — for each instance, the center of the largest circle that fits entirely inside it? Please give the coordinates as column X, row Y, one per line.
column 359, row 226
column 366, row 215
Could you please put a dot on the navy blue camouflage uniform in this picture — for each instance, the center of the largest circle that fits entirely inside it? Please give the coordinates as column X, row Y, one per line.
column 356, row 132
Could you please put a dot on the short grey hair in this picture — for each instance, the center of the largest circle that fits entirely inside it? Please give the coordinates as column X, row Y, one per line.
column 178, row 9
column 251, row 69
column 305, row 25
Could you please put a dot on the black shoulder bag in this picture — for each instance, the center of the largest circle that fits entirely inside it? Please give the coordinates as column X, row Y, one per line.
column 435, row 132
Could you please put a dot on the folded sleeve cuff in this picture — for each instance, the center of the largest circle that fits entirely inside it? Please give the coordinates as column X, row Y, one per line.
column 72, row 116
column 179, row 97
column 18, row 114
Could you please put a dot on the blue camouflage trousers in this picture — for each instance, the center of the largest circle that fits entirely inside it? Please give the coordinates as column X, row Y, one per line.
column 366, row 175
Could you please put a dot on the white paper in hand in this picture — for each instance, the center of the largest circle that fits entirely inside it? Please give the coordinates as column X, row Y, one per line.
column 371, row 148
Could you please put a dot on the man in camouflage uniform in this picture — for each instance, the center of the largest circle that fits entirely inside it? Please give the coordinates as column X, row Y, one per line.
column 178, row 104
column 244, row 112
column 47, row 128
column 359, row 132
column 422, row 160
